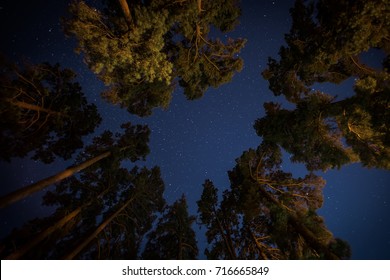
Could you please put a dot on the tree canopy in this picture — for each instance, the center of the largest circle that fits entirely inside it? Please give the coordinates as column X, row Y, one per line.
column 267, row 213
column 108, row 206
column 141, row 49
column 40, row 109
column 325, row 44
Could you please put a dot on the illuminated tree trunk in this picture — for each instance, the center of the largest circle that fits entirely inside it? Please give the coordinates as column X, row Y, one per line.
column 199, row 6
column 96, row 232
column 50, row 230
column 42, row 235
column 126, row 12
column 32, row 107
column 40, row 185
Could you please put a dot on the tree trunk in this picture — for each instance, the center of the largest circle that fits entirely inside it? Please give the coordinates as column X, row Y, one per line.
column 48, row 231
column 180, row 249
column 199, row 6
column 96, row 232
column 230, row 241
column 126, row 12
column 40, row 185
column 42, row 235
column 32, row 107
column 226, row 239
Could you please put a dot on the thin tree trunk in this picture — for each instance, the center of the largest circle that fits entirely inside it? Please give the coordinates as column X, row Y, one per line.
column 96, row 232
column 230, row 241
column 366, row 69
column 180, row 250
column 32, row 107
column 40, row 185
column 42, row 235
column 199, row 6
column 48, row 231
column 231, row 251
column 126, row 12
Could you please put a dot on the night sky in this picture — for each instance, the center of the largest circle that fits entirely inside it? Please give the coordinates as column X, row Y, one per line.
column 196, row 140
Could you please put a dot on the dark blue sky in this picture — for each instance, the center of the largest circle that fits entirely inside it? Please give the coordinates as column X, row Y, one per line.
column 196, row 140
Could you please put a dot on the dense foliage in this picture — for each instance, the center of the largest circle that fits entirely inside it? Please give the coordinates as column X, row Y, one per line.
column 157, row 44
column 325, row 44
column 109, row 205
column 40, row 109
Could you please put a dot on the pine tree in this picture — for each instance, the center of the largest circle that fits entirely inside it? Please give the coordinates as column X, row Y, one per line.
column 40, row 112
column 221, row 222
column 141, row 49
column 267, row 213
column 132, row 145
column 112, row 206
column 325, row 44
column 127, row 216
column 173, row 237
column 285, row 206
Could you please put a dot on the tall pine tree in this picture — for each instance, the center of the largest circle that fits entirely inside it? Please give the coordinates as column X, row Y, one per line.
column 173, row 238
column 102, row 212
column 325, row 44
column 267, row 213
column 142, row 49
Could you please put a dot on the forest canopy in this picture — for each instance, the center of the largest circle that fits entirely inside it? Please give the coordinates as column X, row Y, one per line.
column 142, row 49
column 110, row 201
column 325, row 45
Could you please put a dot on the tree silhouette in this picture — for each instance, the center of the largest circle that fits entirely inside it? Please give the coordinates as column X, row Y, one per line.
column 272, row 213
column 128, row 219
column 132, row 145
column 41, row 108
column 322, row 131
column 141, row 49
column 173, row 237
column 109, row 204
column 221, row 221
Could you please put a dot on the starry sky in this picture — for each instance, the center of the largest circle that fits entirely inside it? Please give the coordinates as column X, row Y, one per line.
column 196, row 140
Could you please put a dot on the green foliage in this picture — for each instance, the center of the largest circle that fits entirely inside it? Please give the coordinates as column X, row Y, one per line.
column 110, row 52
column 41, row 106
column 266, row 213
column 324, row 45
column 305, row 133
column 165, row 42
column 284, row 204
